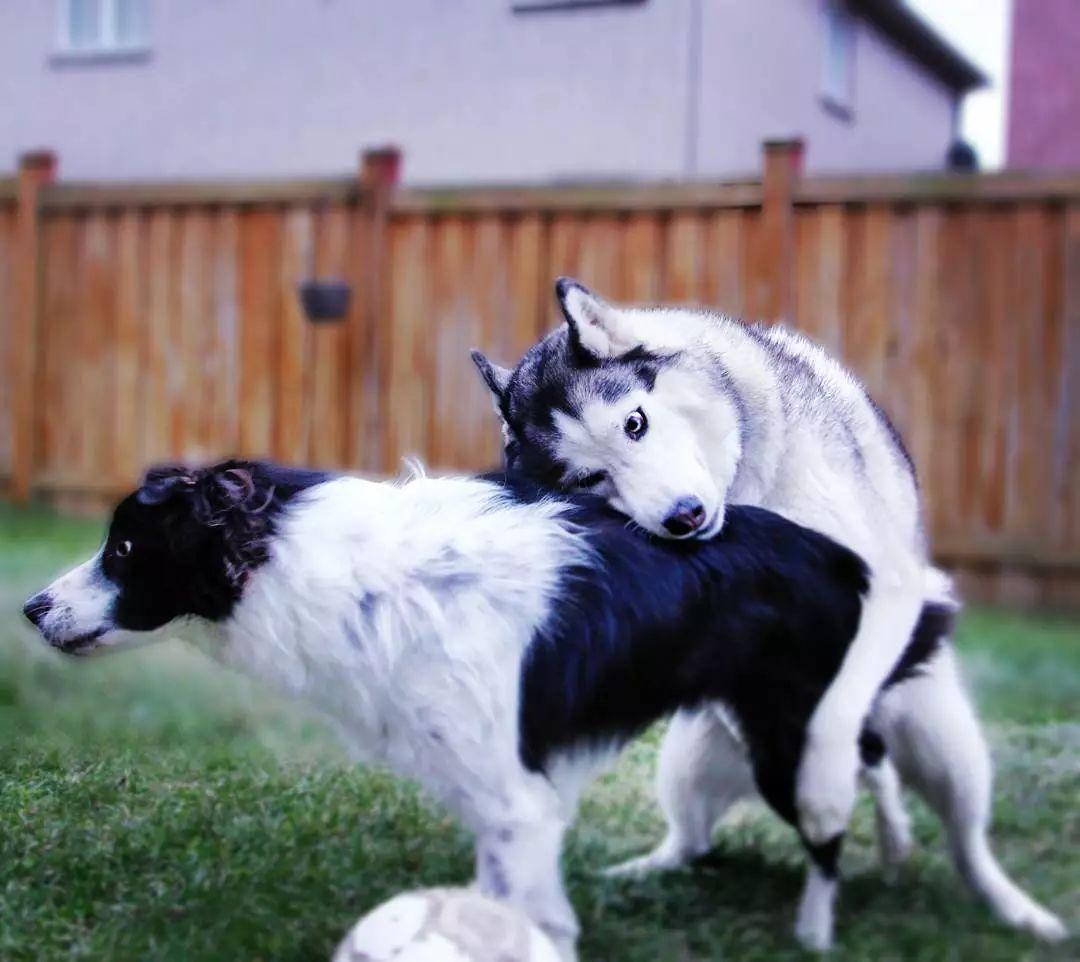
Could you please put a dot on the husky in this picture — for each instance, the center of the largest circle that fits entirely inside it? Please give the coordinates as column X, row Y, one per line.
column 493, row 642
column 674, row 415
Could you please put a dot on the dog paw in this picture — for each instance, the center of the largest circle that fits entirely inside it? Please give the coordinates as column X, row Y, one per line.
column 826, row 791
column 813, row 936
column 663, row 858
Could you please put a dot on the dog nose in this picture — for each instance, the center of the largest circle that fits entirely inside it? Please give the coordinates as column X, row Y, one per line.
column 37, row 608
column 686, row 517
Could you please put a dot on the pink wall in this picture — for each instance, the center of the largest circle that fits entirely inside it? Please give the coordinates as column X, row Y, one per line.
column 469, row 89
column 1044, row 91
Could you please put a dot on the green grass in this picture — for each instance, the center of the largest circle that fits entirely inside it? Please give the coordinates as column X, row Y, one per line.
column 154, row 807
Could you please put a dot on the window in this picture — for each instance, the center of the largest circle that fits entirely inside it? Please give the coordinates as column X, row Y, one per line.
column 103, row 26
column 525, row 6
column 838, row 74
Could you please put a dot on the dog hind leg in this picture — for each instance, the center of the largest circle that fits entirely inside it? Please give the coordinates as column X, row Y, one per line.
column 702, row 771
column 933, row 734
column 880, row 777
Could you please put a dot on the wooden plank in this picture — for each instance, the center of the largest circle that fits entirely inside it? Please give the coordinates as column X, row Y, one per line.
column 684, row 274
column 97, row 333
column 329, row 346
column 899, row 338
column 563, row 257
column 130, row 313
column 407, row 433
column 260, row 255
column 35, row 171
column 866, row 306
column 529, row 291
column 489, row 283
column 940, row 188
column 89, row 196
column 7, row 308
column 923, row 377
column 191, row 427
column 643, row 271
column 723, row 262
column 452, row 309
column 224, row 360
column 774, row 251
column 1026, row 475
column 57, row 335
column 600, row 255
column 578, row 199
column 1067, row 415
column 159, row 348
column 293, row 428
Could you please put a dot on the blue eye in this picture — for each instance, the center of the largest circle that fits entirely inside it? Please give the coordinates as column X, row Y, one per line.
column 635, row 425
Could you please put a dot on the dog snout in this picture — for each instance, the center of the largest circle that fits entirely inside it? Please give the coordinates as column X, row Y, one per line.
column 686, row 516
column 37, row 608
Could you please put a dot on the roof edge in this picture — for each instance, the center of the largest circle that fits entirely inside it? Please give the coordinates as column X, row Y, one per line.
column 905, row 28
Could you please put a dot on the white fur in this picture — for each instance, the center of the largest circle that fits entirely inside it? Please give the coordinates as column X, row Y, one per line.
column 815, row 451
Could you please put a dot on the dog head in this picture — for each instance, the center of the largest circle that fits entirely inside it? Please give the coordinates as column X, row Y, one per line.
column 603, row 405
column 182, row 545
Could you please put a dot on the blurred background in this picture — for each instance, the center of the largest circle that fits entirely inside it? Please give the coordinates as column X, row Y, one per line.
column 235, row 227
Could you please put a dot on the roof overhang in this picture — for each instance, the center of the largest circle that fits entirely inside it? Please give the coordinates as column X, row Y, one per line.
column 908, row 31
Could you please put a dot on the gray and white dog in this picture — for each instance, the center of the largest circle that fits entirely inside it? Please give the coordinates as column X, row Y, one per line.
column 673, row 414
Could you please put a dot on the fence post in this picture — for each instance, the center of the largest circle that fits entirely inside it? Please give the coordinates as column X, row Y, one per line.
column 35, row 170
column 783, row 165
column 380, row 170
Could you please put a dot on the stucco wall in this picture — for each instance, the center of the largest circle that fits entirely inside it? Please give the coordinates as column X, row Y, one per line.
column 470, row 90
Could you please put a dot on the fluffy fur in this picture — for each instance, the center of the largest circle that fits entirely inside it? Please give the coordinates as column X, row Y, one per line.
column 742, row 414
column 494, row 643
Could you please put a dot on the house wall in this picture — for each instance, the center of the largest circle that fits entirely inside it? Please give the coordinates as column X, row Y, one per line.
column 469, row 89
column 1044, row 95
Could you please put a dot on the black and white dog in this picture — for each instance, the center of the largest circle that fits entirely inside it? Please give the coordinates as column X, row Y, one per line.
column 499, row 644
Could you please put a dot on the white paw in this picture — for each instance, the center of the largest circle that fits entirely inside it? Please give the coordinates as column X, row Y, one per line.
column 896, row 844
column 813, row 935
column 663, row 858
column 826, row 790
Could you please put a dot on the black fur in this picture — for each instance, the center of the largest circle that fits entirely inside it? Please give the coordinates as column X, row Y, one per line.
column 195, row 536
column 759, row 618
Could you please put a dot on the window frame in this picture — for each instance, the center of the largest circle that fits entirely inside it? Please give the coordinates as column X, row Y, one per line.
column 836, row 14
column 108, row 46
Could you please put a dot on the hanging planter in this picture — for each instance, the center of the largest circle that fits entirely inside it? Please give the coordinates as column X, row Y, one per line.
column 325, row 301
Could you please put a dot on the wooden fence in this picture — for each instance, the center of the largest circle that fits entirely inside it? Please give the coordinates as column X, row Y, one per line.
column 161, row 321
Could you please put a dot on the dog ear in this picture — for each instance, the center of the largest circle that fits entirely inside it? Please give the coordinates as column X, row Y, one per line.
column 496, row 378
column 597, row 330
column 164, row 482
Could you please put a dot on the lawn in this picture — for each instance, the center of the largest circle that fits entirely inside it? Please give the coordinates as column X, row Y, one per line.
column 153, row 807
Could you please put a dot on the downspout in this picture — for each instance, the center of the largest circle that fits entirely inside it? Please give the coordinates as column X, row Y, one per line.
column 694, row 42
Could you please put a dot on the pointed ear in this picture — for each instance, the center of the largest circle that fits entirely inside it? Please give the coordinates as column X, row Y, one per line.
column 596, row 328
column 496, row 378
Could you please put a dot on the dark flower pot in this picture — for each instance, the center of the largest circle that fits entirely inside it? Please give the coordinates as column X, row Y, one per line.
column 325, row 301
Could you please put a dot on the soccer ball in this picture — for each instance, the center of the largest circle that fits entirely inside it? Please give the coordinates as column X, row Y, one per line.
column 445, row 925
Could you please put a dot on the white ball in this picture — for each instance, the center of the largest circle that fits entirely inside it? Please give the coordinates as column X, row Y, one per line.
column 445, row 925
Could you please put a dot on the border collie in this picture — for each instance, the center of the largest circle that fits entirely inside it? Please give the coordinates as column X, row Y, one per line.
column 499, row 644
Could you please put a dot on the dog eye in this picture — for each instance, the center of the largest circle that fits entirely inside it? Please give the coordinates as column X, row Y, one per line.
column 123, row 549
column 635, row 425
column 591, row 480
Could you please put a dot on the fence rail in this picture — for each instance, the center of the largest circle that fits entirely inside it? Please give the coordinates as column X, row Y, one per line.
column 161, row 321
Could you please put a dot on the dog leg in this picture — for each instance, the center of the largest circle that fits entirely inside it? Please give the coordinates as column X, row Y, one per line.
column 518, row 862
column 827, row 776
column 817, row 907
column 934, row 736
column 880, row 777
column 701, row 772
